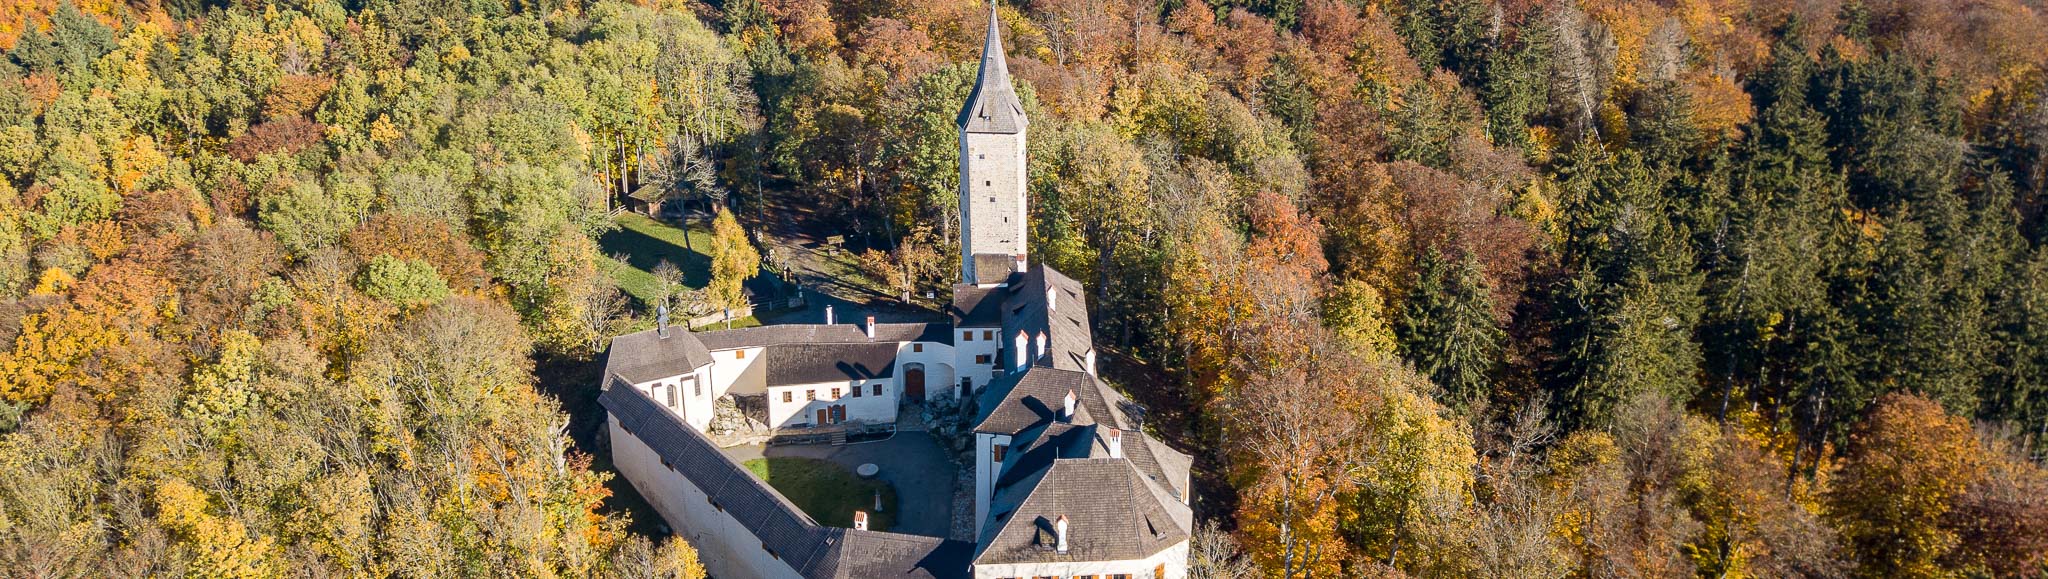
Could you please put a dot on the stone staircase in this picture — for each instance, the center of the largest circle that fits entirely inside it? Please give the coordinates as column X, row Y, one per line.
column 838, row 437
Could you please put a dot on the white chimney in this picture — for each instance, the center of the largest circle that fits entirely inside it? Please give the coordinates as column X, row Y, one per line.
column 1042, row 351
column 1059, row 529
column 1017, row 358
column 1088, row 359
column 1052, row 298
column 871, row 327
column 1020, row 263
column 1116, row 443
column 828, row 315
column 860, row 520
column 1067, row 411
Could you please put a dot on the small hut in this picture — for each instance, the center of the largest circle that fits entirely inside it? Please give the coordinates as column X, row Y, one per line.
column 645, row 200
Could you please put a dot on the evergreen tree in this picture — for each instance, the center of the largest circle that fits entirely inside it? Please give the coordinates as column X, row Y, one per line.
column 1629, row 304
column 1447, row 329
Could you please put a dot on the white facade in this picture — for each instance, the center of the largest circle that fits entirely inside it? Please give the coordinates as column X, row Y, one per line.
column 689, row 395
column 987, row 466
column 1168, row 563
column 801, row 405
column 974, row 354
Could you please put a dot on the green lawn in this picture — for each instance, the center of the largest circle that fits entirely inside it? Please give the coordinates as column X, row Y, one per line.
column 828, row 493
column 644, row 242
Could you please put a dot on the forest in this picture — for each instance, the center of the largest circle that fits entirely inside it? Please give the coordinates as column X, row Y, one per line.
column 1488, row 288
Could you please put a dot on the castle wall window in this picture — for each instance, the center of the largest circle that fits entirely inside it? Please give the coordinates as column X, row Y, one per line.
column 981, row 358
column 988, row 334
column 917, row 347
column 967, row 336
column 856, row 393
column 835, row 394
column 997, row 452
column 810, row 395
column 786, row 396
column 878, row 389
column 739, row 354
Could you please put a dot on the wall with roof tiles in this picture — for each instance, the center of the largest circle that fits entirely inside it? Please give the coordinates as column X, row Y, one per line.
column 727, row 548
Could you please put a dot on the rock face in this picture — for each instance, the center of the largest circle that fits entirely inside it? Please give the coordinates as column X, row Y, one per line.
column 739, row 416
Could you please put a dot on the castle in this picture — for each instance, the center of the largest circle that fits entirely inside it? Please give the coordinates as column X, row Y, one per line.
column 1066, row 484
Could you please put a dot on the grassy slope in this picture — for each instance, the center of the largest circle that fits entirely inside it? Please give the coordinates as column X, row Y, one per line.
column 644, row 242
column 827, row 492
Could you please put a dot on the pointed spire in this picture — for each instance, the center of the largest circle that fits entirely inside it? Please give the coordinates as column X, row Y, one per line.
column 993, row 107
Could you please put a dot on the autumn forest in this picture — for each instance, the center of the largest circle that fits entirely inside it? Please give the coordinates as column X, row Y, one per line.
column 1433, row 288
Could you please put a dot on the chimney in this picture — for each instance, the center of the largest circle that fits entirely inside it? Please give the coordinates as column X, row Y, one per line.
column 1088, row 359
column 860, row 520
column 1116, row 443
column 871, row 327
column 1067, row 410
column 1052, row 295
column 661, row 321
column 1042, row 350
column 1059, row 530
column 1020, row 263
column 1017, row 357
column 828, row 316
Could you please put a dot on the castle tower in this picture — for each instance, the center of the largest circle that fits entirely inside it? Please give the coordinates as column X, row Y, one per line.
column 991, row 169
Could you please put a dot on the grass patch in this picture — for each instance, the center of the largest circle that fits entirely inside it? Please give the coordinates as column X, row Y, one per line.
column 825, row 491
column 644, row 242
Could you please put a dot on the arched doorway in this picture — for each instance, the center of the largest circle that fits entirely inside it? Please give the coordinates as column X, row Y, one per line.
column 913, row 382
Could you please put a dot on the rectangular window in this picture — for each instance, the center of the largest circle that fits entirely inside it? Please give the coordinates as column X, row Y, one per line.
column 917, row 347
column 698, row 387
column 981, row 358
column 997, row 452
column 856, row 392
column 878, row 389
column 988, row 183
column 786, row 396
column 835, row 394
column 672, row 397
column 988, row 334
column 967, row 336
column 810, row 394
column 739, row 354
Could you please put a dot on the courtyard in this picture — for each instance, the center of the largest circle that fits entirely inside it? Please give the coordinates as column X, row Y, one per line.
column 911, row 462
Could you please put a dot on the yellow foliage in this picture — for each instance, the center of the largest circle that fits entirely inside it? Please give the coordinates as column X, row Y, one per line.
column 220, row 547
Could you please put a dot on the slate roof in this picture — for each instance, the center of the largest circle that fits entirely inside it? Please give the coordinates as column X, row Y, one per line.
column 1065, row 322
column 1017, row 401
column 814, row 551
column 993, row 268
column 1112, row 514
column 644, row 356
column 993, row 107
column 782, row 334
column 977, row 307
column 790, row 364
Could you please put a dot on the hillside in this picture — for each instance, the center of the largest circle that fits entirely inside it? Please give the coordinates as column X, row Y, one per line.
column 1503, row 288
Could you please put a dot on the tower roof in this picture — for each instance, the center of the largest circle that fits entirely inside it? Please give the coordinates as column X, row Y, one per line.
column 993, row 107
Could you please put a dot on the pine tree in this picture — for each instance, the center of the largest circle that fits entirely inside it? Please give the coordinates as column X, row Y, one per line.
column 1448, row 331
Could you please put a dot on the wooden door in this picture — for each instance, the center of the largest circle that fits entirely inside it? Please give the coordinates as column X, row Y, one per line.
column 913, row 384
column 822, row 416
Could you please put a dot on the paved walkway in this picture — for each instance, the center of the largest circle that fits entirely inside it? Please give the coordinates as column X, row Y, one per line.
column 912, row 462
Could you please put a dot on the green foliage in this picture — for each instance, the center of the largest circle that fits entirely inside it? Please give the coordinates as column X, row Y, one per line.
column 1447, row 328
column 402, row 282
